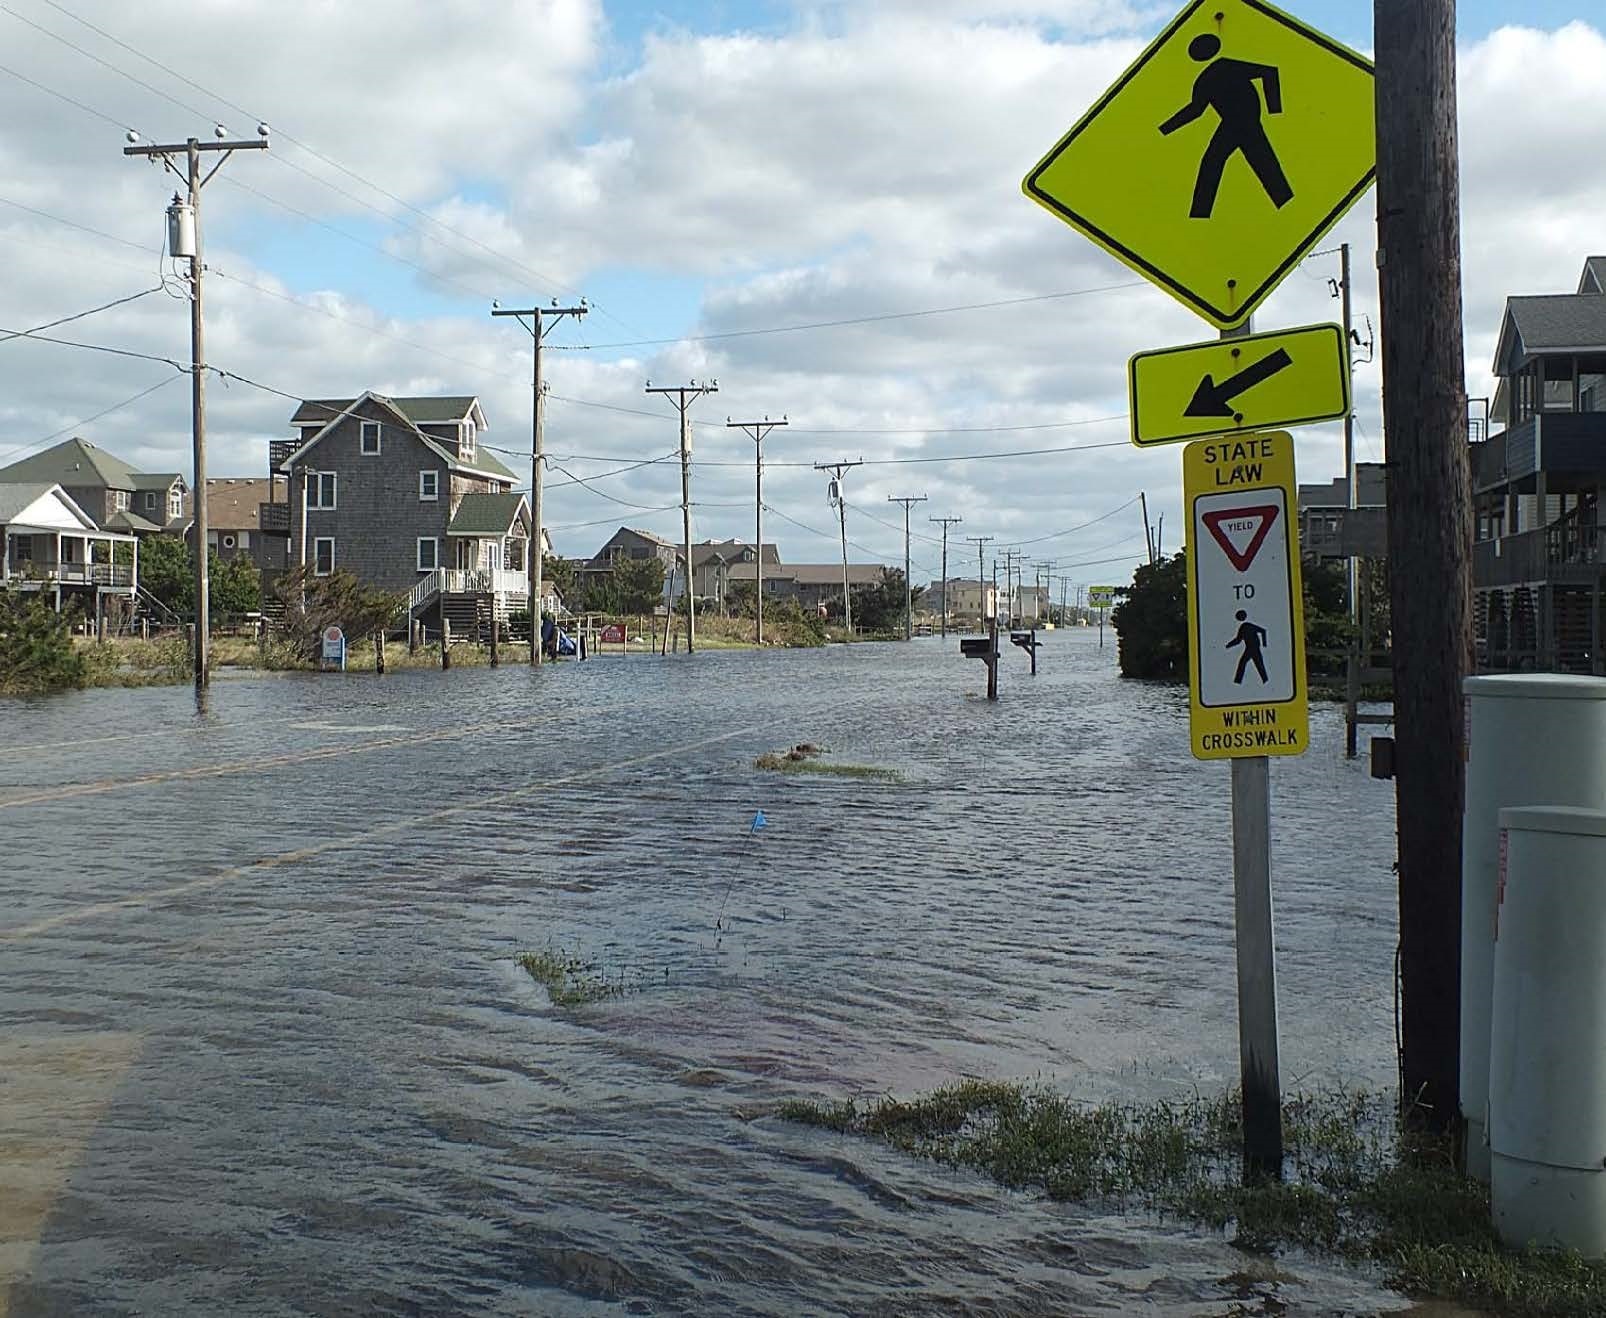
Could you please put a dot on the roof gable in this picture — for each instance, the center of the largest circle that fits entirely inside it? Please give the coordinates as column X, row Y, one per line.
column 42, row 504
column 488, row 466
column 420, row 411
column 74, row 461
column 1593, row 279
column 487, row 514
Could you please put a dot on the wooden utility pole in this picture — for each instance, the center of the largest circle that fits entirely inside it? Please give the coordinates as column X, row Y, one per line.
column 946, row 523
column 1148, row 531
column 981, row 542
column 908, row 581
column 541, row 322
column 1430, row 523
column 756, row 430
column 184, row 231
column 1352, row 658
column 683, row 396
column 839, row 500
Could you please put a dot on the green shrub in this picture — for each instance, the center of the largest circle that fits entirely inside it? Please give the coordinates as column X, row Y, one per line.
column 36, row 650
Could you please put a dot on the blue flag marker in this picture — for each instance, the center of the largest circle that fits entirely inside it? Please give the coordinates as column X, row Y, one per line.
column 758, row 822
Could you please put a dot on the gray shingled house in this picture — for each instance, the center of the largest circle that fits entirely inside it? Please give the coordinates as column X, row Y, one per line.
column 400, row 492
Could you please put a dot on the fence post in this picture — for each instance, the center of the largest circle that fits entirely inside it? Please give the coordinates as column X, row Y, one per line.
column 379, row 651
column 446, row 642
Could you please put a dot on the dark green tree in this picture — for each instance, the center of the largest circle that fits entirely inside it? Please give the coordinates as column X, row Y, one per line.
column 167, row 571
column 638, row 585
column 235, row 587
column 565, row 578
column 1151, row 621
column 312, row 603
column 36, row 650
column 879, row 607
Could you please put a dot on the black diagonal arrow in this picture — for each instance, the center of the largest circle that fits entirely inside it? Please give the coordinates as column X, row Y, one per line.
column 1212, row 399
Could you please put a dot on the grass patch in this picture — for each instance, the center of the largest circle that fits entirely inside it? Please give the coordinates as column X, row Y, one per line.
column 1357, row 1185
column 571, row 981
column 803, row 758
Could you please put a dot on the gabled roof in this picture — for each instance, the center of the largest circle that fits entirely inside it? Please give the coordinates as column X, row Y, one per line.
column 73, row 462
column 812, row 574
column 130, row 521
column 730, row 550
column 156, row 480
column 481, row 466
column 1593, row 279
column 486, row 514
column 233, row 502
column 420, row 411
column 17, row 498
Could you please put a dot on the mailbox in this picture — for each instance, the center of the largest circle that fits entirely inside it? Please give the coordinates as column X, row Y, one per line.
column 977, row 647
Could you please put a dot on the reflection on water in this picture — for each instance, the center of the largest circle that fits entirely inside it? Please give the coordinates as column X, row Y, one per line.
column 338, row 1095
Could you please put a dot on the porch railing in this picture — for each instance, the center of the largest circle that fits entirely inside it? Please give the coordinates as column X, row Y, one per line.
column 72, row 574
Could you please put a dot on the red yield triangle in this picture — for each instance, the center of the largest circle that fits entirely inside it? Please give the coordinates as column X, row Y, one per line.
column 1241, row 558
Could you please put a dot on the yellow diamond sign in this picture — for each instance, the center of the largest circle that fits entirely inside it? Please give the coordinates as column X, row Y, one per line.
column 1237, row 139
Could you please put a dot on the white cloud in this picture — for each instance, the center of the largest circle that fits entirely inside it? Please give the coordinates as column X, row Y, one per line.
column 865, row 163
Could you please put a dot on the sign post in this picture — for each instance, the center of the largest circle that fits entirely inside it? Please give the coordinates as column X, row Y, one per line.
column 1248, row 702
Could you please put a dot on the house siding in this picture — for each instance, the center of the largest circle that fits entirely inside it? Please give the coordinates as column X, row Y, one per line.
column 378, row 516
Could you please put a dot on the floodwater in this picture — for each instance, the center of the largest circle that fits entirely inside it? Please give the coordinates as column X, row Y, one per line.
column 264, row 1048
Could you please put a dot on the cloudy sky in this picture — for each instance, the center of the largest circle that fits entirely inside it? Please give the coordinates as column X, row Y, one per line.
column 698, row 171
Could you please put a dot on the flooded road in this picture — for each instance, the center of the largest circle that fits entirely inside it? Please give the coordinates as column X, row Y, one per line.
column 264, row 1048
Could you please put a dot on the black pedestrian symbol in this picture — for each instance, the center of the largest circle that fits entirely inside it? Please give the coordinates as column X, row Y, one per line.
column 1251, row 638
column 1227, row 86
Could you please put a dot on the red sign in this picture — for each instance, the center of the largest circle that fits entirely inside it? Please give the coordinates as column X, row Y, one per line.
column 1225, row 523
column 613, row 634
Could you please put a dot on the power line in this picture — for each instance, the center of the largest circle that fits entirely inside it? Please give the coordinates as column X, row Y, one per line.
column 51, row 324
column 84, row 421
column 871, row 320
column 93, row 347
column 1103, row 517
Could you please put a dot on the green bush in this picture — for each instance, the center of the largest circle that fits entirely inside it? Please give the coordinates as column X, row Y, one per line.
column 36, row 650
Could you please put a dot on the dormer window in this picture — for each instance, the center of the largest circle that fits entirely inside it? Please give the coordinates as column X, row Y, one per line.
column 370, row 439
column 150, row 501
column 466, row 446
column 175, row 504
column 120, row 499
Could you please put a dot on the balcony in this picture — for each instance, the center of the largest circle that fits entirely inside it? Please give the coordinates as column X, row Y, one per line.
column 1566, row 552
column 33, row 575
column 279, row 451
column 273, row 518
column 1563, row 445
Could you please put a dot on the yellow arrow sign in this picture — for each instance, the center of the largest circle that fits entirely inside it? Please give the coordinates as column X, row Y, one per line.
column 1219, row 158
column 1287, row 378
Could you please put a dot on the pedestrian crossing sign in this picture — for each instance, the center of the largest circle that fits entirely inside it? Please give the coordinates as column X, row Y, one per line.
column 1218, row 160
column 1246, row 617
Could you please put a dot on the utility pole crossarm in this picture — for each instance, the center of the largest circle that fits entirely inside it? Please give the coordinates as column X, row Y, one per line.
column 756, row 431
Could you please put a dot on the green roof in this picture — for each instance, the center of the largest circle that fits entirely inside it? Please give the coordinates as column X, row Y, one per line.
column 420, row 411
column 73, row 462
column 155, row 480
column 126, row 521
column 15, row 497
column 484, row 461
column 485, row 514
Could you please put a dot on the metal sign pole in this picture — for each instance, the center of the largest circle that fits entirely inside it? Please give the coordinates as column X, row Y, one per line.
column 1259, row 1072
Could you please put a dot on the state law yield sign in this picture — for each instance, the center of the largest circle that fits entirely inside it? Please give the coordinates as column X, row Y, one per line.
column 1246, row 619
column 1215, row 162
column 1286, row 378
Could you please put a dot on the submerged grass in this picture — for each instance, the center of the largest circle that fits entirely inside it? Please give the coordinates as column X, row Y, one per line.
column 571, row 981
column 802, row 759
column 1357, row 1185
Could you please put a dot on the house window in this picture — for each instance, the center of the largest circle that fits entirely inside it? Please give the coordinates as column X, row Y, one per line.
column 370, row 438
column 321, row 489
column 323, row 556
column 175, row 504
column 150, row 501
column 120, row 499
column 429, row 553
column 466, row 448
column 429, row 486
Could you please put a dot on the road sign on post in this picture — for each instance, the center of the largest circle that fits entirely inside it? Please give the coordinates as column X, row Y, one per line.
column 1256, row 382
column 1100, row 597
column 334, row 647
column 1245, row 617
column 1232, row 144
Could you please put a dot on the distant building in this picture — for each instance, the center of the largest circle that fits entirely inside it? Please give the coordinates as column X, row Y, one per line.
column 49, row 545
column 233, row 522
column 815, row 586
column 114, row 495
column 711, row 564
column 1329, row 528
column 630, row 543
